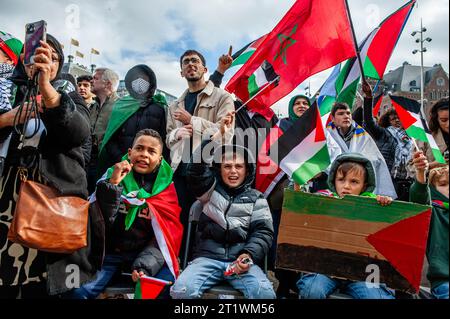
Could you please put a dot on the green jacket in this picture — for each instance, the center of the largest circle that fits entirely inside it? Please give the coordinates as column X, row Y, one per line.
column 437, row 247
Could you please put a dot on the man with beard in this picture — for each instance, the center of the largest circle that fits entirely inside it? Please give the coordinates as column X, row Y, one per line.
column 196, row 113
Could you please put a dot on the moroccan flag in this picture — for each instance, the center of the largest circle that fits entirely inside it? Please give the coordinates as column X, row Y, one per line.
column 149, row 287
column 354, row 238
column 375, row 51
column 414, row 124
column 311, row 37
column 302, row 150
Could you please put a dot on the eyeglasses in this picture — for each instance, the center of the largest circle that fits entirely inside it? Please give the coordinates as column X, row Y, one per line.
column 193, row 60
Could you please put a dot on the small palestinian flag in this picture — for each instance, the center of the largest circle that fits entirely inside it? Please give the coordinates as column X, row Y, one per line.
column 265, row 75
column 354, row 238
column 242, row 56
column 302, row 150
column 414, row 124
column 149, row 287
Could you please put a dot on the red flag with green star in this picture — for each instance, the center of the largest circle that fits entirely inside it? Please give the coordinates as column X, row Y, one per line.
column 311, row 37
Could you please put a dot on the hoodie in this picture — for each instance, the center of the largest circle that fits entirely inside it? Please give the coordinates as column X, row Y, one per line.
column 234, row 220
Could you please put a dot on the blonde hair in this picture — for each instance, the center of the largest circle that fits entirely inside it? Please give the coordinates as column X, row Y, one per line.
column 437, row 173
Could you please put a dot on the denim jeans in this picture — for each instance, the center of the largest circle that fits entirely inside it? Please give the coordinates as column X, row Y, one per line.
column 318, row 286
column 441, row 291
column 204, row 273
column 111, row 264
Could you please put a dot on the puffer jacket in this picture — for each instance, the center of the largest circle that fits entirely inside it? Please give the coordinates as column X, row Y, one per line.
column 234, row 221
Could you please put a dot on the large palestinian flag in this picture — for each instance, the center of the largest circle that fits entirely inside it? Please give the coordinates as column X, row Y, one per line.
column 409, row 113
column 349, row 237
column 302, row 150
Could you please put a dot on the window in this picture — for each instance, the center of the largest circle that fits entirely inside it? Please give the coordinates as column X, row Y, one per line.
column 440, row 81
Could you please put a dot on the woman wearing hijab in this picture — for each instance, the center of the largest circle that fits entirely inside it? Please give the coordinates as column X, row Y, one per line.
column 53, row 157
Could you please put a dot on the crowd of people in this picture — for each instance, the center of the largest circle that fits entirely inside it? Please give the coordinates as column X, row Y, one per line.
column 143, row 164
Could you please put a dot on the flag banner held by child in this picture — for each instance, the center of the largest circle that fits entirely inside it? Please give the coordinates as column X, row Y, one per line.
column 343, row 237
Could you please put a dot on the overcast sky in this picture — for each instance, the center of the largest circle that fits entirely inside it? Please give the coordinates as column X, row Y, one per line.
column 157, row 32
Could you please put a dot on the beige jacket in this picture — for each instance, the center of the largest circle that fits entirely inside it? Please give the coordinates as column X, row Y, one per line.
column 212, row 105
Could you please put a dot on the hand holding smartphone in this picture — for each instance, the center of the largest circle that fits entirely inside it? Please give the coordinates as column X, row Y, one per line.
column 34, row 33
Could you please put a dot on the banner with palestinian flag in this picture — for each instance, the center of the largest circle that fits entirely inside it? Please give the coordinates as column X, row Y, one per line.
column 354, row 238
column 415, row 125
column 302, row 151
column 311, row 37
column 375, row 51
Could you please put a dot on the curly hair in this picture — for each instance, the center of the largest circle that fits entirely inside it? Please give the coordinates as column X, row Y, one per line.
column 384, row 119
column 442, row 104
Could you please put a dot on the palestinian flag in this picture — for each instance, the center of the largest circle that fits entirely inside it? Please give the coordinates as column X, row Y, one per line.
column 348, row 237
column 302, row 150
column 375, row 51
column 265, row 75
column 377, row 101
column 244, row 54
column 149, row 287
column 414, row 124
column 268, row 173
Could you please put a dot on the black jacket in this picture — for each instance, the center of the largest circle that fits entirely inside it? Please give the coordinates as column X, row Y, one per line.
column 140, row 239
column 383, row 138
column 233, row 221
column 152, row 116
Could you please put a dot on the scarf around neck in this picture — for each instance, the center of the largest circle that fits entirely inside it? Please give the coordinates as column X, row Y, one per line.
column 135, row 196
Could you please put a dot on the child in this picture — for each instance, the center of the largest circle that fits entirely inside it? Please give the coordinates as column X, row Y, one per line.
column 235, row 224
column 145, row 233
column 435, row 193
column 350, row 174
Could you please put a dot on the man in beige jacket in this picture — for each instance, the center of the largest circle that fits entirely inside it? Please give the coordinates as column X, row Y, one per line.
column 196, row 113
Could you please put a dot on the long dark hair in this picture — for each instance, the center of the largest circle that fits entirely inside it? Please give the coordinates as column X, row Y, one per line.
column 384, row 119
column 440, row 105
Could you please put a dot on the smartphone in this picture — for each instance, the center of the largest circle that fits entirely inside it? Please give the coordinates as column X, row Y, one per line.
column 34, row 32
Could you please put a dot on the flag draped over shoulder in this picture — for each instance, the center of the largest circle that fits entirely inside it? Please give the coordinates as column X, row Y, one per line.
column 311, row 37
column 375, row 51
column 123, row 109
column 414, row 124
column 362, row 143
column 163, row 204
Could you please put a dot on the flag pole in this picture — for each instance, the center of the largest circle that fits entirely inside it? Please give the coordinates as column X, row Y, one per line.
column 254, row 96
column 358, row 51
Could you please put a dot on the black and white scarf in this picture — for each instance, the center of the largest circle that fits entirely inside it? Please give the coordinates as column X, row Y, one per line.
column 6, row 86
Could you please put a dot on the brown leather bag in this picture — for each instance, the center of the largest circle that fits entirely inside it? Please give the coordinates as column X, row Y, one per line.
column 46, row 221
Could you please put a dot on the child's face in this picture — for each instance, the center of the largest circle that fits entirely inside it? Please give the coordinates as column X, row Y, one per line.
column 233, row 170
column 441, row 185
column 145, row 155
column 352, row 184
